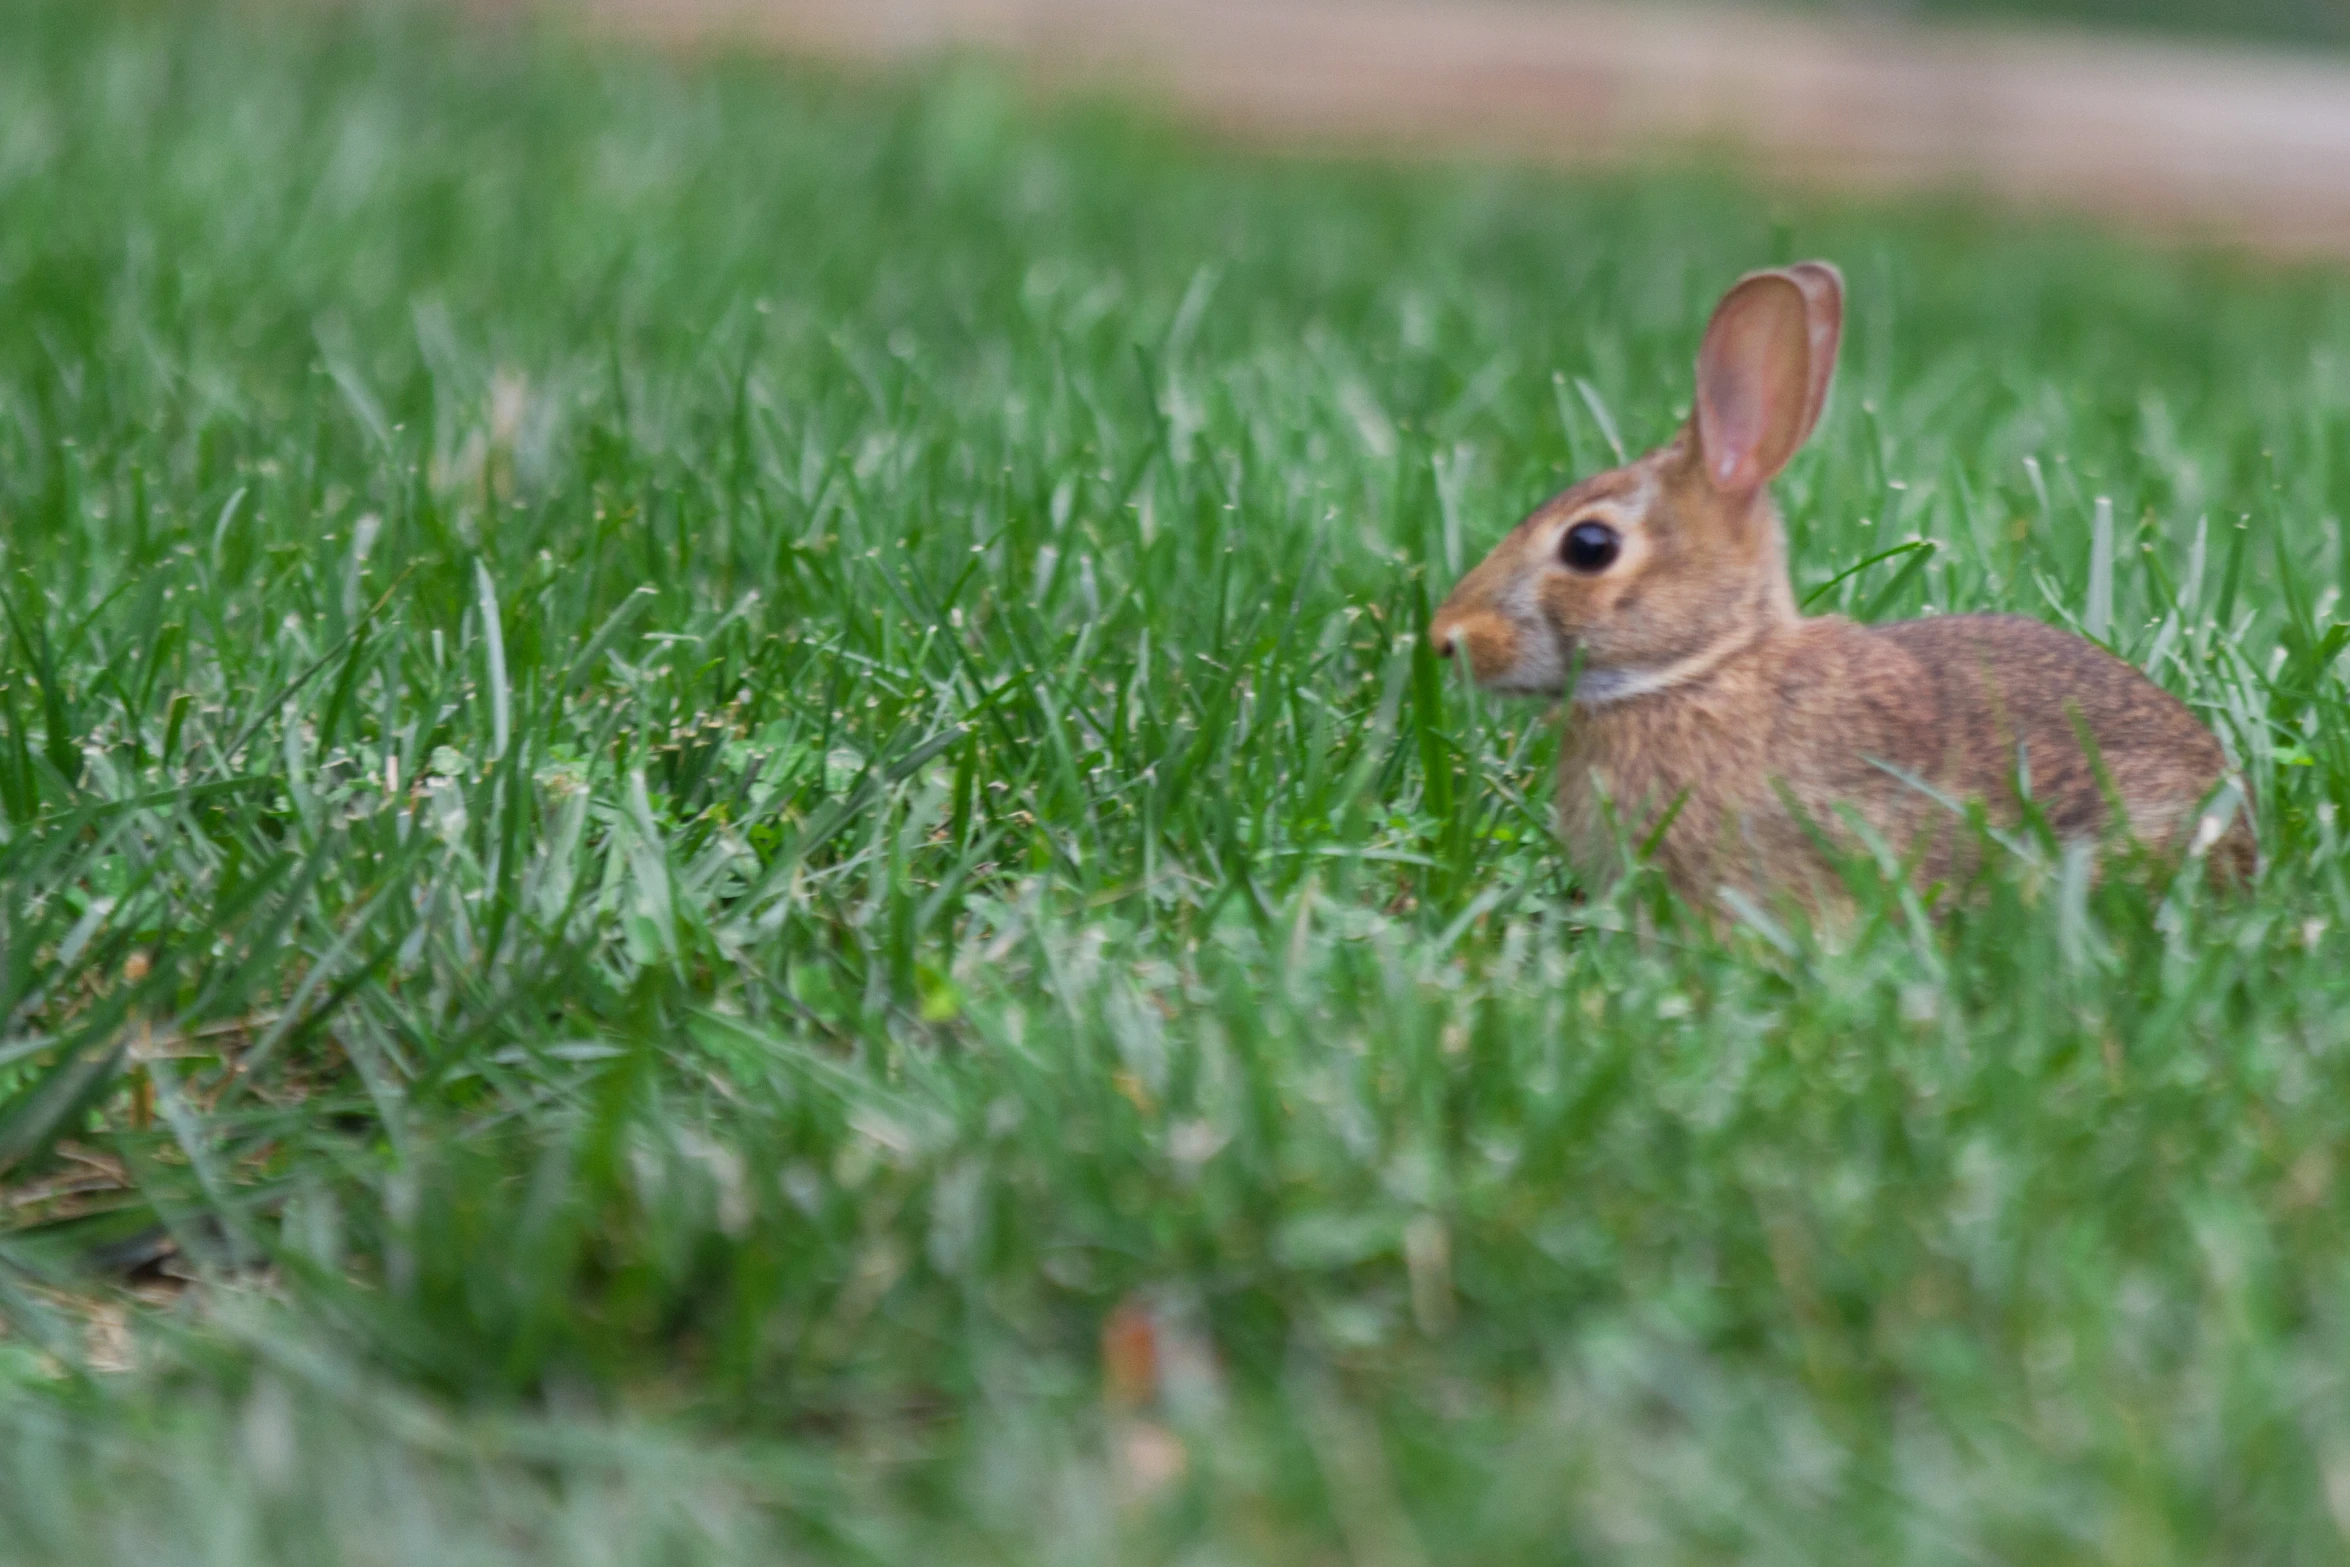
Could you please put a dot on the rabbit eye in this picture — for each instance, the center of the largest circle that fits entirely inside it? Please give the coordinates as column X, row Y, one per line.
column 1590, row 547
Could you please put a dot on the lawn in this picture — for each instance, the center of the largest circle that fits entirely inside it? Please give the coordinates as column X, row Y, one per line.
column 722, row 838
column 2291, row 24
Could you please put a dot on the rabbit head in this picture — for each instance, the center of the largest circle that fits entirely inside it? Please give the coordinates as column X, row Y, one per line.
column 1644, row 577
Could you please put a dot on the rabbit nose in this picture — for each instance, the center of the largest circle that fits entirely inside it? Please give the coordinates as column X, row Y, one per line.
column 1441, row 640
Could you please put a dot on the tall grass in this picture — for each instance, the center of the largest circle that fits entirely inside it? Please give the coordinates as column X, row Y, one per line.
column 709, row 778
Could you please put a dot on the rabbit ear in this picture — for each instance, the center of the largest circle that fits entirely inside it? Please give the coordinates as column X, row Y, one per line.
column 1823, row 311
column 1763, row 372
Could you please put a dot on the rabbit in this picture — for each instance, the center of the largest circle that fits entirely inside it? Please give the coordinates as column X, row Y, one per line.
column 1742, row 742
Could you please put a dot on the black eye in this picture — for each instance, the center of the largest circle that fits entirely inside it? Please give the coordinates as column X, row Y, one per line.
column 1590, row 547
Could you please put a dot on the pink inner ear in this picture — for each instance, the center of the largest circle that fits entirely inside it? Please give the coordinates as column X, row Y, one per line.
column 1753, row 382
column 1731, row 434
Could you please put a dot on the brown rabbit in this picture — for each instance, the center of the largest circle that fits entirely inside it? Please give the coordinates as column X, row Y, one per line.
column 1707, row 704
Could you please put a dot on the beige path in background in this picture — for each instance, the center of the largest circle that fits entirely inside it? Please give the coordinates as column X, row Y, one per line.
column 2245, row 146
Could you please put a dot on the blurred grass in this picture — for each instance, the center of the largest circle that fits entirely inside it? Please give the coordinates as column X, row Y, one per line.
column 2322, row 23
column 693, row 759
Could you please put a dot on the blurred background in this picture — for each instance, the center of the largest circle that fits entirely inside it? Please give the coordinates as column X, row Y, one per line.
column 2228, row 120
column 2281, row 21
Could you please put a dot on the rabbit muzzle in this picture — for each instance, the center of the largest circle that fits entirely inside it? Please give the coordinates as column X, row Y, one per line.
column 1502, row 653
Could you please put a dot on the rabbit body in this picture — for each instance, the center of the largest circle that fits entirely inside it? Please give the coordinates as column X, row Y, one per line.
column 1896, row 727
column 1739, row 741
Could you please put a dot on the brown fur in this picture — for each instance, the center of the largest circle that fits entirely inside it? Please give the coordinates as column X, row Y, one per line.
column 1704, row 694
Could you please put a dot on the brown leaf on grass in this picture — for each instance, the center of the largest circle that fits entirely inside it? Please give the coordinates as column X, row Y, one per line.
column 1130, row 1356
column 1141, row 1347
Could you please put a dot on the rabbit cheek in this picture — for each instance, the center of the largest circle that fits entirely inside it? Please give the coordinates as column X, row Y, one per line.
column 1569, row 605
column 1592, row 614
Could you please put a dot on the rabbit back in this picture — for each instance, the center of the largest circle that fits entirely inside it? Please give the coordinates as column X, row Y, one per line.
column 2018, row 698
column 1735, row 781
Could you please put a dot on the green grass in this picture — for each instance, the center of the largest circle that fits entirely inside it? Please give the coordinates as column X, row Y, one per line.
column 2323, row 23
column 692, row 759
